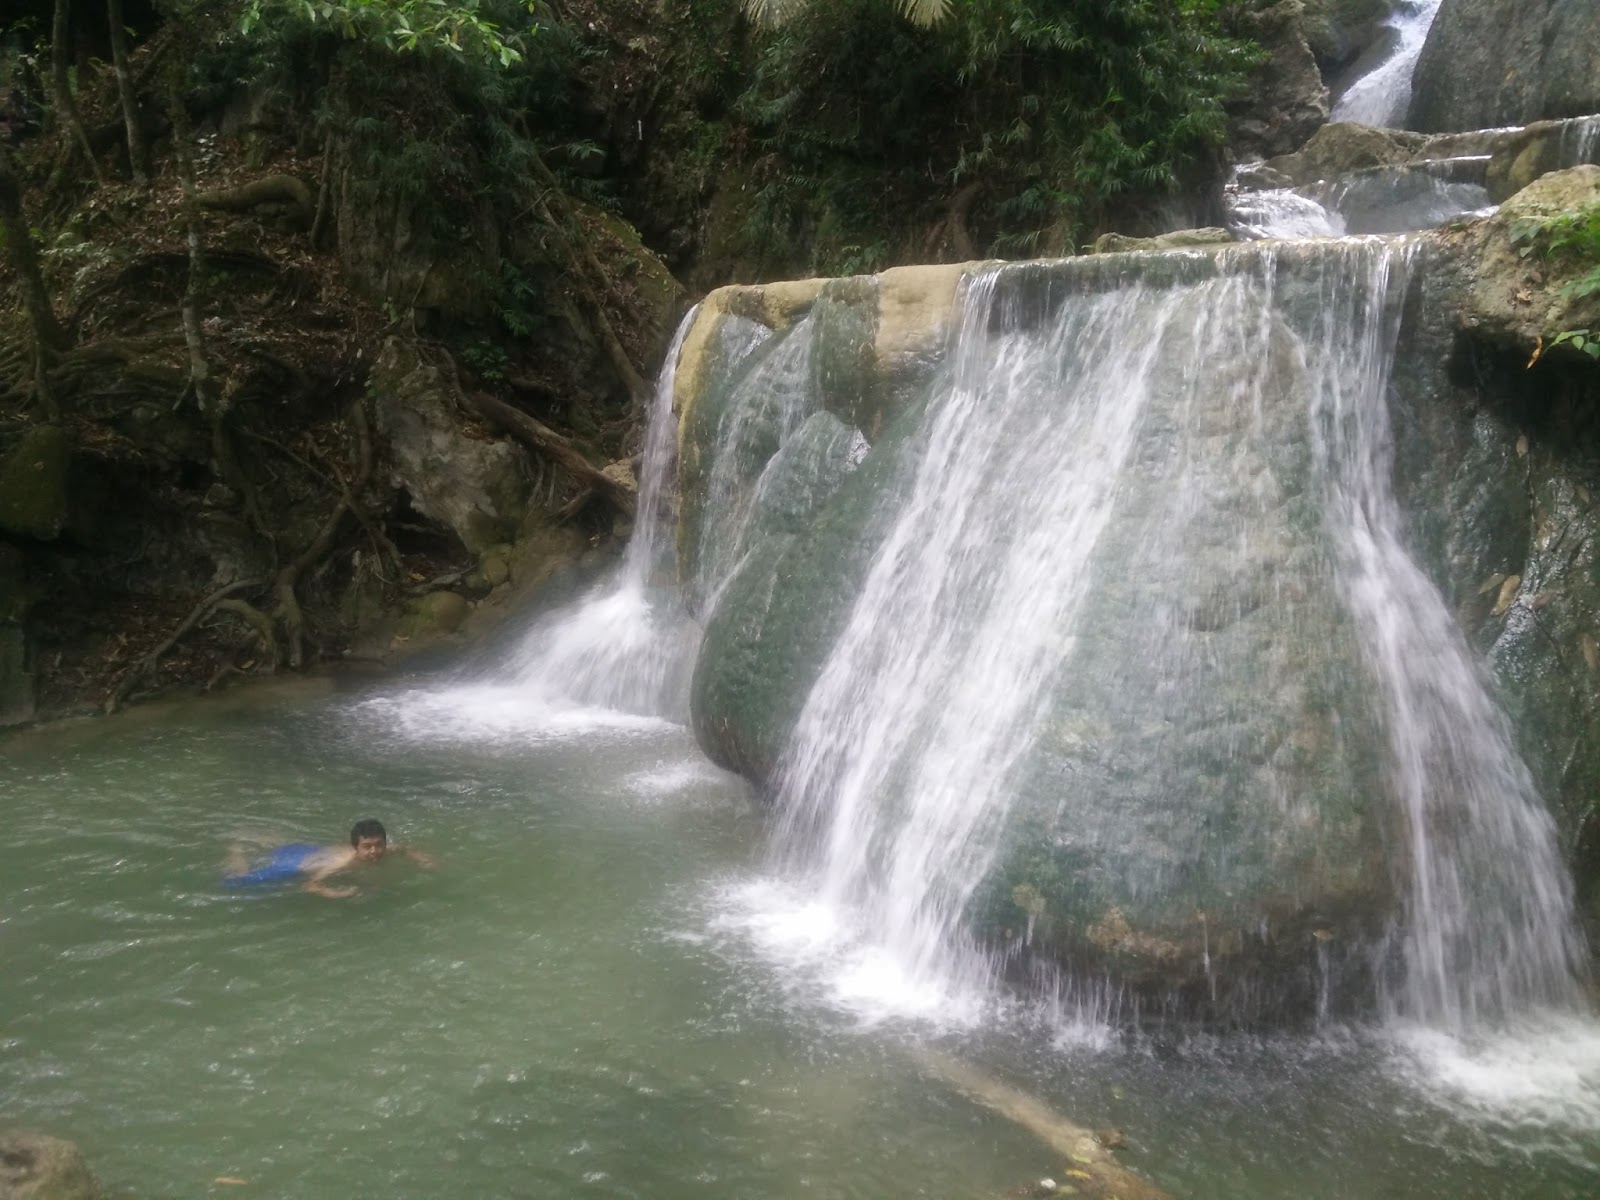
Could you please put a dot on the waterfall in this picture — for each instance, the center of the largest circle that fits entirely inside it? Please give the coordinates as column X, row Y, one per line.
column 628, row 645
column 1134, row 450
column 1382, row 96
column 1489, row 930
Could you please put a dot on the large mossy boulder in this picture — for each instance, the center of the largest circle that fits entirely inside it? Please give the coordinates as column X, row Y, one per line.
column 36, row 484
column 1196, row 735
column 1507, row 62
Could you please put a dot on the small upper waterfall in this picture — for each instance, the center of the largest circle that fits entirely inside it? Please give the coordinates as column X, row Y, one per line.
column 1147, row 520
column 629, row 644
column 1382, row 96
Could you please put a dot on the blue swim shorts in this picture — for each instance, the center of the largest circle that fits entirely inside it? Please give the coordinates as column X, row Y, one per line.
column 286, row 863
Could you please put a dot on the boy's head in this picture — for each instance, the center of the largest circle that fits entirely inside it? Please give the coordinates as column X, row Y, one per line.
column 368, row 840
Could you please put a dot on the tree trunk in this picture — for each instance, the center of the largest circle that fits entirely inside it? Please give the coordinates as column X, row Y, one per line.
column 48, row 336
column 25, row 257
column 61, row 86
column 137, row 158
column 199, row 368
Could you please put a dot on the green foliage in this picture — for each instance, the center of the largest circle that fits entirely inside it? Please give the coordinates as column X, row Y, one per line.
column 1053, row 108
column 486, row 359
column 1579, row 339
column 775, row 12
column 401, row 25
column 1573, row 240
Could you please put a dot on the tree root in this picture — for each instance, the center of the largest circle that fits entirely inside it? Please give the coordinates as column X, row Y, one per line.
column 546, row 441
column 148, row 663
column 258, row 621
column 273, row 189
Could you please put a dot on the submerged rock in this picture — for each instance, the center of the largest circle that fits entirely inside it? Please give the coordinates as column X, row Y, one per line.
column 36, row 1166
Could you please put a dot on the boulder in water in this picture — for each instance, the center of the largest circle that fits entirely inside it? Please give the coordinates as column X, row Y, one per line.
column 36, row 1166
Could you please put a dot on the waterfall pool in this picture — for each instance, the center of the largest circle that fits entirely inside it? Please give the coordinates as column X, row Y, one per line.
column 572, row 1004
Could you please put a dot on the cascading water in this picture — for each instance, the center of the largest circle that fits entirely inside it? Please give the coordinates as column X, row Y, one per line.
column 1280, row 213
column 1382, row 96
column 1108, row 413
column 628, row 646
column 1489, row 931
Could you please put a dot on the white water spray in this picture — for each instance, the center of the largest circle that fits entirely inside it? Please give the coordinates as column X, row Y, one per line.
column 1489, row 930
column 628, row 645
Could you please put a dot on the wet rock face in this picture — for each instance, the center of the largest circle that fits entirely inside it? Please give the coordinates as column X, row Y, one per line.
column 1506, row 62
column 35, row 1166
column 1216, row 729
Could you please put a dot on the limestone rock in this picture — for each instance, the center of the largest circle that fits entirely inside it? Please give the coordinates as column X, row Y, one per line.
column 1518, row 300
column 1344, row 147
column 16, row 679
column 35, row 1166
column 1506, row 62
column 477, row 488
column 1117, row 243
column 1287, row 99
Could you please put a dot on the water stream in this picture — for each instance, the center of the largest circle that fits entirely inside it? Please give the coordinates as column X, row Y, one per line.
column 1382, row 96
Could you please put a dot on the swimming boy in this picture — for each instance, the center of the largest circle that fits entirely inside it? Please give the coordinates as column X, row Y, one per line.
column 314, row 864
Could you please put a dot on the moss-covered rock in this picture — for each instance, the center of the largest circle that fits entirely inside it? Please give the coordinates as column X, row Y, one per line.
column 1183, row 239
column 1520, row 299
column 36, row 1166
column 36, row 493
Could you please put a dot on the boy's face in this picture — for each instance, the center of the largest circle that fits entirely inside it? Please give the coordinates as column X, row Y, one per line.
column 370, row 848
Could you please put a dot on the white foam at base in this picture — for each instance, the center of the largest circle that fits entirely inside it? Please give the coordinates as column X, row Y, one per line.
column 818, row 950
column 1541, row 1073
column 487, row 712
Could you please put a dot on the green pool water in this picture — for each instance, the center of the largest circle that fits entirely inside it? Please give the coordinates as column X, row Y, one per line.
column 564, row 1006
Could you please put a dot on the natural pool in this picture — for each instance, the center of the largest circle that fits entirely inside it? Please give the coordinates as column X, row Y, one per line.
column 583, row 1000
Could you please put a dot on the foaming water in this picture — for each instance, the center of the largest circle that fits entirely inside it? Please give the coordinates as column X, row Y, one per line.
column 823, row 954
column 1382, row 96
column 495, row 713
column 1538, row 1076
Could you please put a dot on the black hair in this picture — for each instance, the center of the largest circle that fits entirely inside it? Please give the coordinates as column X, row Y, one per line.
column 366, row 829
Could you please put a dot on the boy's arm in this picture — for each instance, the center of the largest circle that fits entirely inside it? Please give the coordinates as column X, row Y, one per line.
column 420, row 857
column 317, row 884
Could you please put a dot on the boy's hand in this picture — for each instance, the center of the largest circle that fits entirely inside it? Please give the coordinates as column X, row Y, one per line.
column 332, row 893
